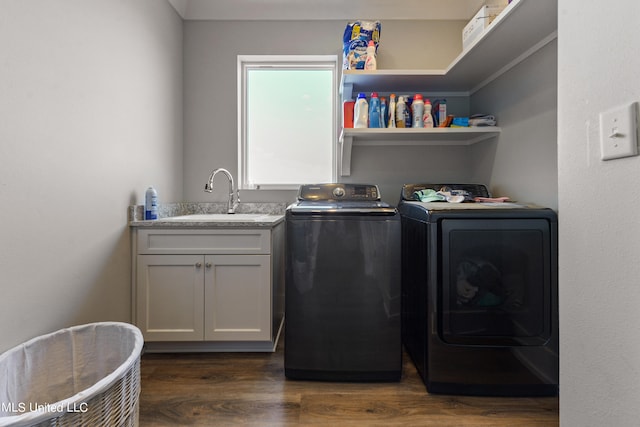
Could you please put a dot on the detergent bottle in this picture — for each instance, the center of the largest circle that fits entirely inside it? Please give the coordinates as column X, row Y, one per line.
column 427, row 117
column 361, row 112
column 418, row 111
column 392, row 111
column 401, row 110
column 370, row 63
column 374, row 111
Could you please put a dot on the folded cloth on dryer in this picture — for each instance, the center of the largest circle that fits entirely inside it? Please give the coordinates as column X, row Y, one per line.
column 429, row 195
column 451, row 197
column 491, row 199
column 450, row 192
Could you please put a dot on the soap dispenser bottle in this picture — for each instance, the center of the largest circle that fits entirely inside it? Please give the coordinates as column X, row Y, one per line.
column 151, row 204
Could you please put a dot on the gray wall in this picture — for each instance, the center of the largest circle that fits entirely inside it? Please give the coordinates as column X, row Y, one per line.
column 522, row 162
column 90, row 114
column 598, row 61
column 211, row 49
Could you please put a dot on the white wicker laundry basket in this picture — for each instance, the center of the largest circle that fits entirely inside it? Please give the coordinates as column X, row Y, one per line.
column 86, row 375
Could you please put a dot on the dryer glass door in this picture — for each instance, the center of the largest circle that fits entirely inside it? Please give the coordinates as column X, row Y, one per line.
column 495, row 281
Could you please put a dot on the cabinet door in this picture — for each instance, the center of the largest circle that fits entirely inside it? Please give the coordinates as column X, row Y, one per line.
column 238, row 298
column 170, row 297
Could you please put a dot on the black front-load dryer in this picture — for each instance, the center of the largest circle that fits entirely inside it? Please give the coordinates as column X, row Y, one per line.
column 479, row 293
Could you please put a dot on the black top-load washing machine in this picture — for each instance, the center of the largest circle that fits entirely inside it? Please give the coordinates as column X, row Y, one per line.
column 479, row 292
column 342, row 283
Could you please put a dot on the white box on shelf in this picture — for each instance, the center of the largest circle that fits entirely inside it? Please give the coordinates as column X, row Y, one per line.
column 481, row 21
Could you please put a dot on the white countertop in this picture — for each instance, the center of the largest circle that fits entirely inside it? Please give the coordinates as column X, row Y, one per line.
column 255, row 220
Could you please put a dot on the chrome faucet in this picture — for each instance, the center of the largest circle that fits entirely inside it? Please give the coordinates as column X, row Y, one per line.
column 234, row 199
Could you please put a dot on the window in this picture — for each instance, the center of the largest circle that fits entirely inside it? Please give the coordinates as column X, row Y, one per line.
column 286, row 120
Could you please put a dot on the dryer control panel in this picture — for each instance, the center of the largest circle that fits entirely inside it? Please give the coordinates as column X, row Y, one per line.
column 322, row 192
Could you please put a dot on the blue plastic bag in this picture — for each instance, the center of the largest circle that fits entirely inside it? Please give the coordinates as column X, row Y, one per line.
column 355, row 41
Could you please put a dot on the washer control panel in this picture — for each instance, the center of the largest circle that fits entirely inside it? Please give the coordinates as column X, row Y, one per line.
column 339, row 192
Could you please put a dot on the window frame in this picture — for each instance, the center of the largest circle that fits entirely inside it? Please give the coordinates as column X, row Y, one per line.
column 248, row 62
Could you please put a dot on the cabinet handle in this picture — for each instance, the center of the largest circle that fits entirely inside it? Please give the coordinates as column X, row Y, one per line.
column 208, row 265
column 198, row 264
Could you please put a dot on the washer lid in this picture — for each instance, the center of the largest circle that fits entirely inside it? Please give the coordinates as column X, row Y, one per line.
column 339, row 191
column 348, row 207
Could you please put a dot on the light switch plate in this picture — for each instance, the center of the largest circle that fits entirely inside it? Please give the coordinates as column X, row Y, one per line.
column 619, row 132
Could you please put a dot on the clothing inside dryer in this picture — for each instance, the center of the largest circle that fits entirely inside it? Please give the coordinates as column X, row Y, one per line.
column 494, row 284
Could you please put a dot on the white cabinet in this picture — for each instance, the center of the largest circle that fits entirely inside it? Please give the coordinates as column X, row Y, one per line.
column 212, row 298
column 237, row 294
column 520, row 30
column 209, row 289
column 170, row 297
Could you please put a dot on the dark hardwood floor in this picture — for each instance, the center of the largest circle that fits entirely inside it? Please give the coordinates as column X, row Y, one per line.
column 250, row 389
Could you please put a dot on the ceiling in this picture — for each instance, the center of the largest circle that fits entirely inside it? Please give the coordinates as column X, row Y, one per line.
column 326, row 9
